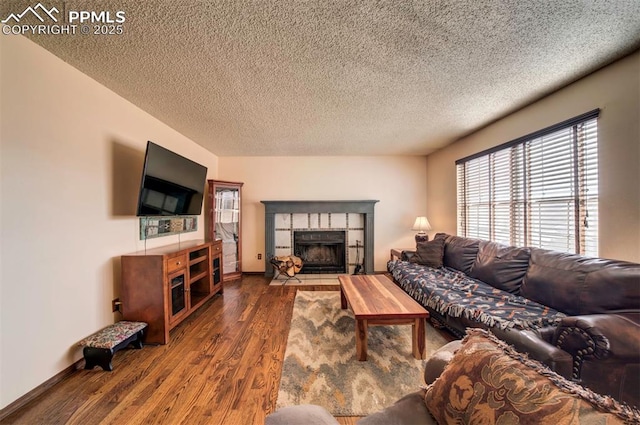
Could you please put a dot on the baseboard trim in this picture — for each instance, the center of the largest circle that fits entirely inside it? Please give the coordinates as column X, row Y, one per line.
column 39, row 390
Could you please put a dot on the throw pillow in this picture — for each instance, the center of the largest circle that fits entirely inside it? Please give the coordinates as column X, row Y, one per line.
column 429, row 253
column 488, row 381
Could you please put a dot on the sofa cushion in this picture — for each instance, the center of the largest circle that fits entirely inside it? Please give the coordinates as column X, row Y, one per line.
column 578, row 285
column 429, row 253
column 501, row 266
column 459, row 253
column 488, row 381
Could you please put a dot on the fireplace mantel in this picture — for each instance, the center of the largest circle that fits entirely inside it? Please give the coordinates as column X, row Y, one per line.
column 365, row 207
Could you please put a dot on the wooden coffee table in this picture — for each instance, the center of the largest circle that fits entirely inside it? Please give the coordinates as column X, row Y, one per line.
column 376, row 300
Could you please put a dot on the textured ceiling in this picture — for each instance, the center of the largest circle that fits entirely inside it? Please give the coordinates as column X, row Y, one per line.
column 345, row 77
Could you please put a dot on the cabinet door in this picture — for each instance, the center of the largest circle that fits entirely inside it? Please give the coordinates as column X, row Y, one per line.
column 216, row 265
column 178, row 295
column 226, row 224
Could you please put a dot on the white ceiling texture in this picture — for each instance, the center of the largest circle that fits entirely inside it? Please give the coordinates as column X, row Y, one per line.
column 343, row 77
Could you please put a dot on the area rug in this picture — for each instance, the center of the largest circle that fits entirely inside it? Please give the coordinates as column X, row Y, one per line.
column 320, row 365
column 311, row 279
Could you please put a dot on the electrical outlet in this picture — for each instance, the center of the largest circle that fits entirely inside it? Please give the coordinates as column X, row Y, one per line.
column 259, row 256
column 115, row 305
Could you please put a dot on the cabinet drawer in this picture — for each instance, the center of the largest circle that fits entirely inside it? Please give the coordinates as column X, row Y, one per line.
column 216, row 248
column 176, row 263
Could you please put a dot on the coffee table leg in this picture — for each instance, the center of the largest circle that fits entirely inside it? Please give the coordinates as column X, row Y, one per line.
column 343, row 299
column 418, row 343
column 361, row 340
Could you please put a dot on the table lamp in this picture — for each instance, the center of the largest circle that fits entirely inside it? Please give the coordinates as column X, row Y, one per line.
column 421, row 225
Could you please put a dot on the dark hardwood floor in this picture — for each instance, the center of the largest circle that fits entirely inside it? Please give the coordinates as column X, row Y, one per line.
column 222, row 366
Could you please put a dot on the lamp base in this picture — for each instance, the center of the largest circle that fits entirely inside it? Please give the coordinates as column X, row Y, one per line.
column 422, row 237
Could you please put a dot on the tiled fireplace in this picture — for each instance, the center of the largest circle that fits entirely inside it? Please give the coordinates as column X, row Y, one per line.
column 328, row 234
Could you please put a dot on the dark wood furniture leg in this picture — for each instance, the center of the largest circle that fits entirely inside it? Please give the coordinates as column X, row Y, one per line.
column 103, row 356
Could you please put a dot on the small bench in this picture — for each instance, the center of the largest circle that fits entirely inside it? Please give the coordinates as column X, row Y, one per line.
column 100, row 347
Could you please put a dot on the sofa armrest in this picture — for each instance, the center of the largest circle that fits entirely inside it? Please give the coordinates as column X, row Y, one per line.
column 439, row 360
column 307, row 414
column 407, row 254
column 600, row 336
column 536, row 347
column 409, row 410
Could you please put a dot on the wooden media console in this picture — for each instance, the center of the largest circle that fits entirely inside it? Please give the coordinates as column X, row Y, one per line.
column 163, row 286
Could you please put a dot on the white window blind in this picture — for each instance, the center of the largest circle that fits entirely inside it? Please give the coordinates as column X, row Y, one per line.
column 539, row 190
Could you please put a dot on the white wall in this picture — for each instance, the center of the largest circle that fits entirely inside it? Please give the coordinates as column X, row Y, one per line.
column 70, row 165
column 616, row 91
column 399, row 183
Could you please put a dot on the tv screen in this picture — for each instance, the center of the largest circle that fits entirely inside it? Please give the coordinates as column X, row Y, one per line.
column 171, row 184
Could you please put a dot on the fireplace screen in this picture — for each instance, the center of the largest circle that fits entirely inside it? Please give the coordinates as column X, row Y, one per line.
column 321, row 251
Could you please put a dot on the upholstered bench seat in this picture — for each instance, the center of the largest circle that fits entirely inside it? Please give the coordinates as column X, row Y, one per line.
column 100, row 347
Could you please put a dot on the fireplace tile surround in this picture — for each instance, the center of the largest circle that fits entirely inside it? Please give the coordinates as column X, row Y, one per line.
column 355, row 218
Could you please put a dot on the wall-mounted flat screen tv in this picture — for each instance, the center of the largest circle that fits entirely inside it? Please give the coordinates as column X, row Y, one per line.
column 171, row 184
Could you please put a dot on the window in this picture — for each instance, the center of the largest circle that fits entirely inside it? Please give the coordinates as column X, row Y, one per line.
column 539, row 190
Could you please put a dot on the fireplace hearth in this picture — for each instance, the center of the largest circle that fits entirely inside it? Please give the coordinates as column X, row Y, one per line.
column 321, row 251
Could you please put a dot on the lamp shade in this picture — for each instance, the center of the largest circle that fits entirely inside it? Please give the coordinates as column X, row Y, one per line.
column 421, row 224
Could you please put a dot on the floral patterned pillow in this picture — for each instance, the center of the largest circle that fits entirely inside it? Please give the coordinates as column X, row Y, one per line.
column 489, row 382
